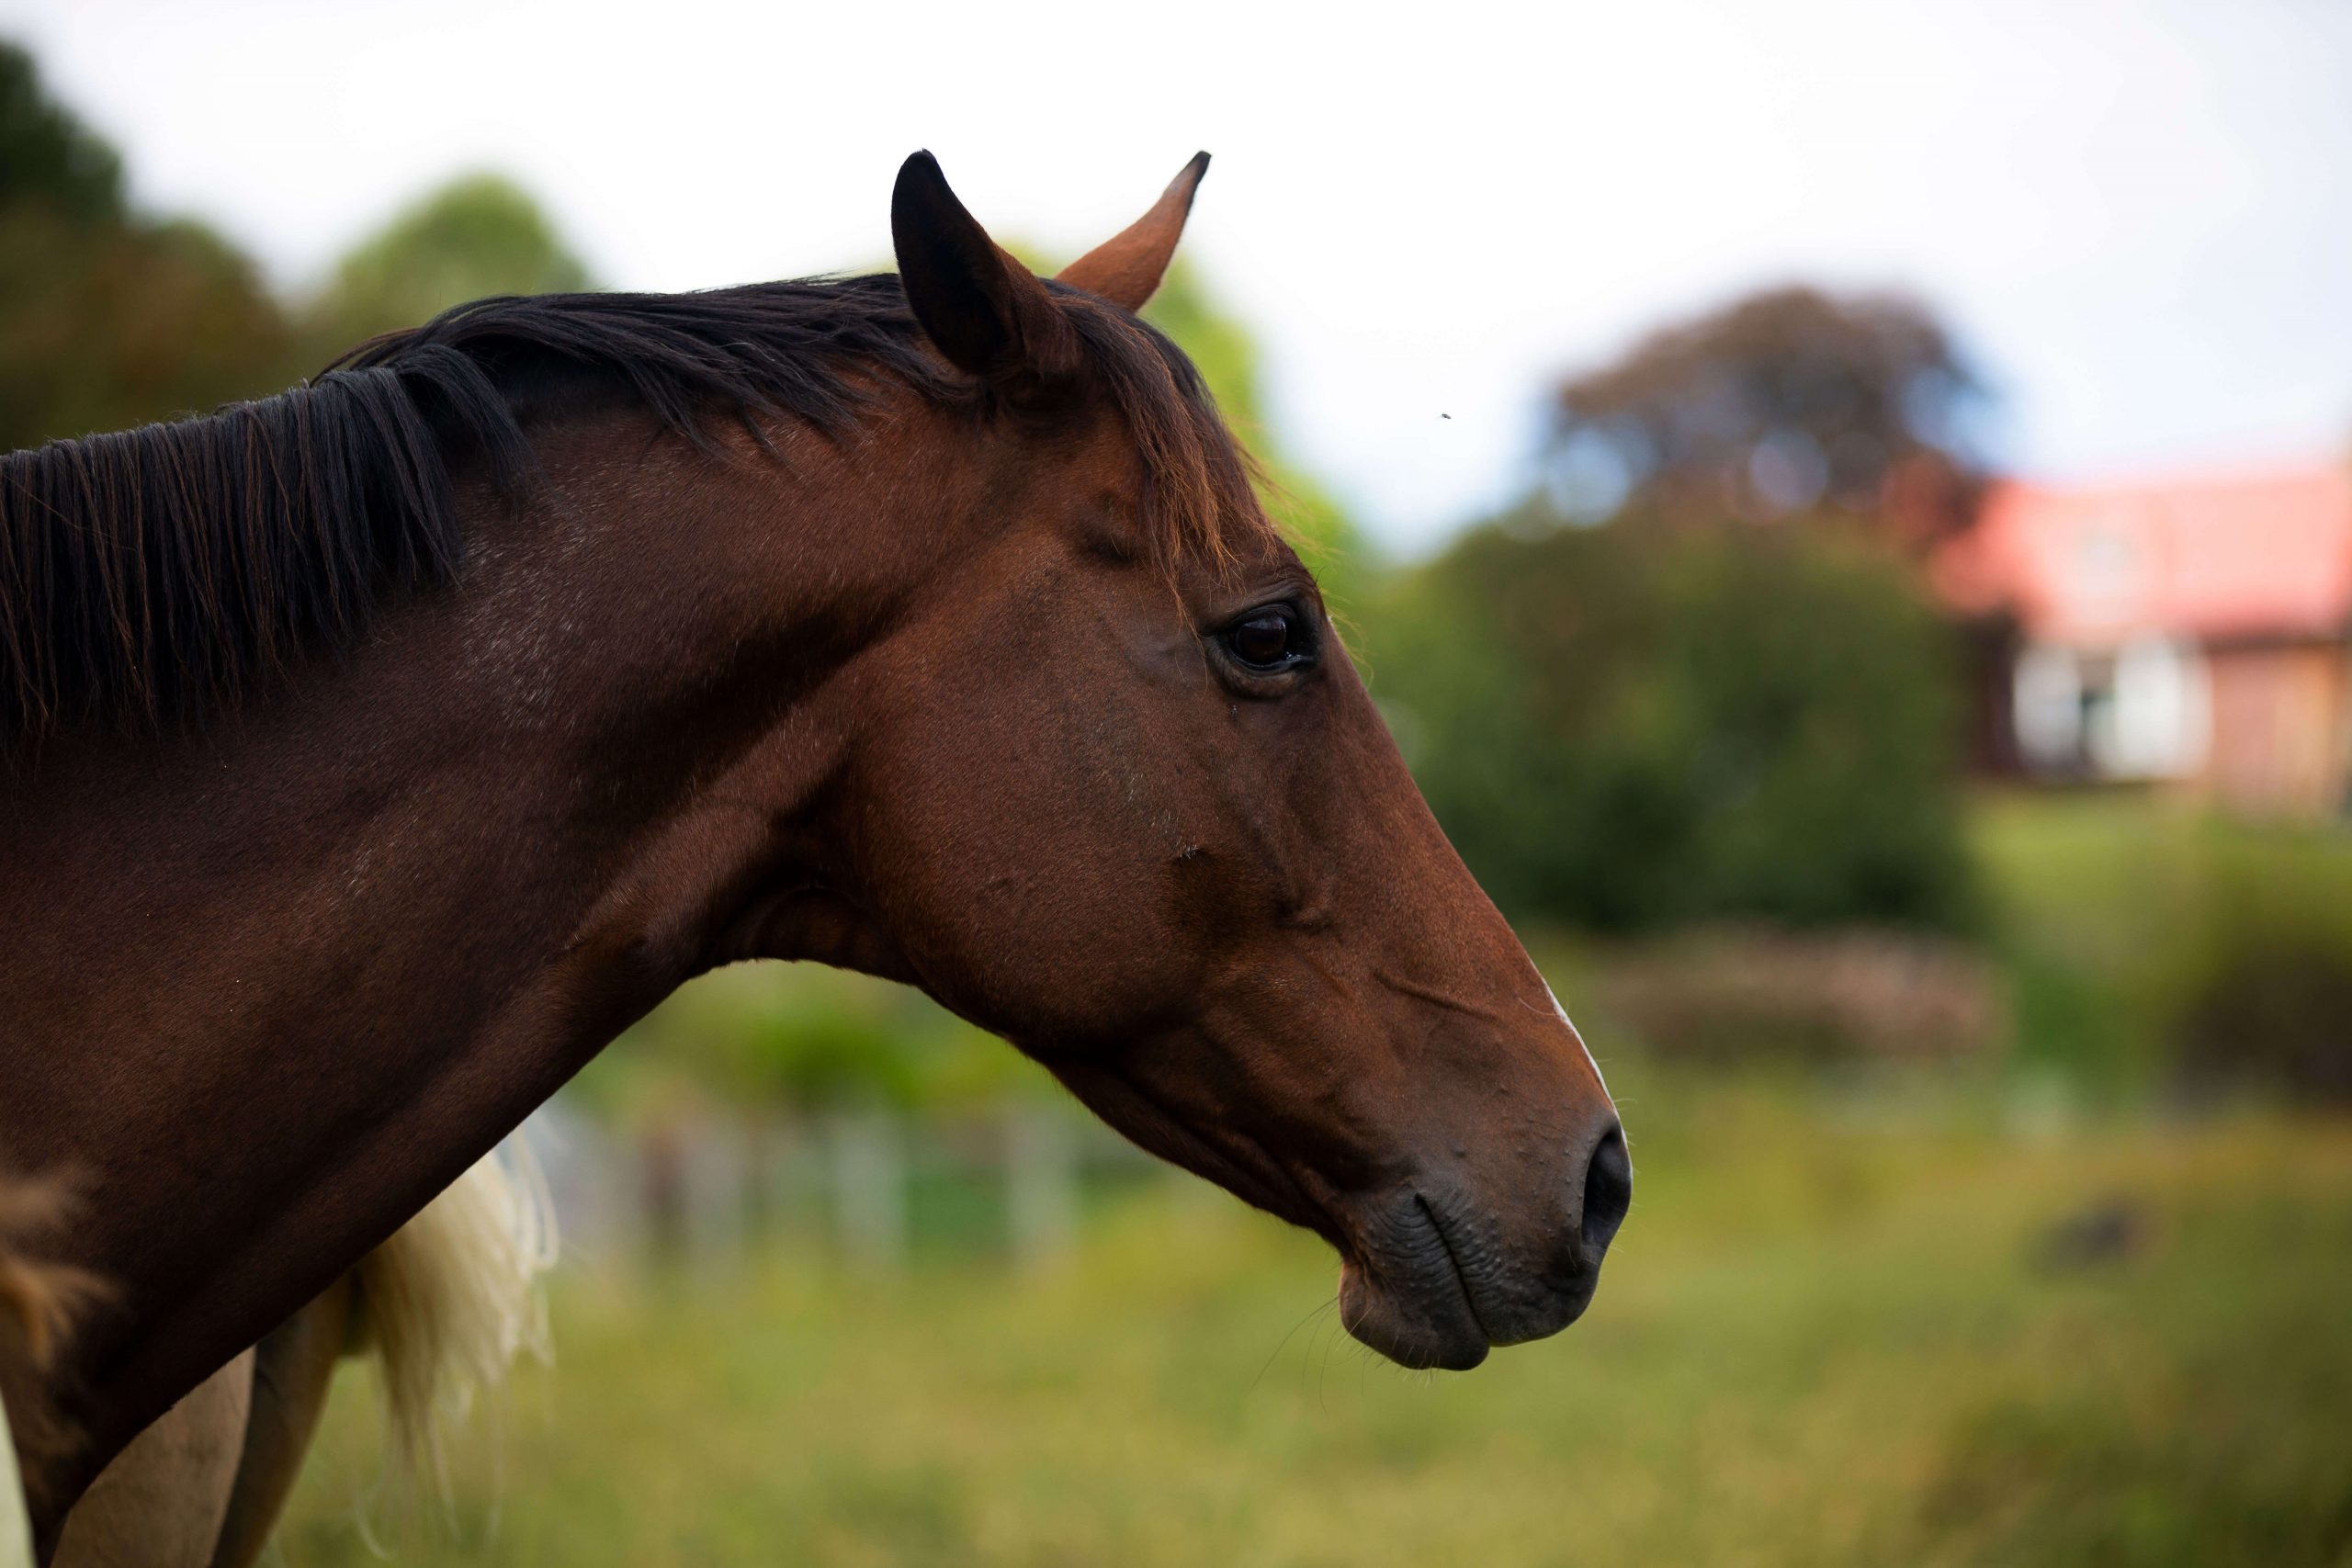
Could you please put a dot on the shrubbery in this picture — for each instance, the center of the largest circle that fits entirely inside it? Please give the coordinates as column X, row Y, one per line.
column 2151, row 948
column 1626, row 732
column 2256, row 984
column 1723, row 993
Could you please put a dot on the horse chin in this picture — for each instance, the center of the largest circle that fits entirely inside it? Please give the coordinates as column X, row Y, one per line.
column 1419, row 1324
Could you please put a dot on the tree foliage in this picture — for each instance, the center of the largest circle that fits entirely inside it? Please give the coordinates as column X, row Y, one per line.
column 107, row 318
column 105, row 326
column 1789, row 404
column 474, row 237
column 48, row 157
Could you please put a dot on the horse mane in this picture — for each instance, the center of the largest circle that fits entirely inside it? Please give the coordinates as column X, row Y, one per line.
column 157, row 575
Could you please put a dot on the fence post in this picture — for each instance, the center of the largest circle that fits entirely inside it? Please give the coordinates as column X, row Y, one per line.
column 870, row 1185
column 1041, row 1182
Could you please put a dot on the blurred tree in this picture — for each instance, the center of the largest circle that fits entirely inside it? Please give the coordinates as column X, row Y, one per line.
column 105, row 326
column 1789, row 404
column 1626, row 731
column 107, row 320
column 49, row 157
column 804, row 1038
column 474, row 237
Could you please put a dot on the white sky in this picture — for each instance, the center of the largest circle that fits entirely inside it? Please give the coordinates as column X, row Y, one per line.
column 2139, row 216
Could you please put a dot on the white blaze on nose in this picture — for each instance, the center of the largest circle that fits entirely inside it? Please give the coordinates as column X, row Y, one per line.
column 1562, row 1013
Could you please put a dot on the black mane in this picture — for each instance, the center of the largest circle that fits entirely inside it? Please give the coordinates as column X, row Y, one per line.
column 155, row 575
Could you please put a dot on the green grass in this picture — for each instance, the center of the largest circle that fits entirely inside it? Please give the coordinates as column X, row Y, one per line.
column 1823, row 1338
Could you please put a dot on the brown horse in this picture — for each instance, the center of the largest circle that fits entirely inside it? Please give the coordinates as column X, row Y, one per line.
column 377, row 751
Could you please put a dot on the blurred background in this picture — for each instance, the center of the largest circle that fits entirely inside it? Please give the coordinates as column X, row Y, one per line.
column 1848, row 511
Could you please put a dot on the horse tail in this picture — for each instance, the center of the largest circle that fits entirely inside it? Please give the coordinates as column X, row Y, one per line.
column 446, row 1305
column 40, row 1304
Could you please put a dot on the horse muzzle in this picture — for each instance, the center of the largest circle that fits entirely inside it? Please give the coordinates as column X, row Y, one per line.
column 1437, row 1273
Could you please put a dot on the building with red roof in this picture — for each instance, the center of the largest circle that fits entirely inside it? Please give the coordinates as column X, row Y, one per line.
column 2195, row 632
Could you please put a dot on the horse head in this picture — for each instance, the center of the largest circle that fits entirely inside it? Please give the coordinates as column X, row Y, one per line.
column 1118, row 794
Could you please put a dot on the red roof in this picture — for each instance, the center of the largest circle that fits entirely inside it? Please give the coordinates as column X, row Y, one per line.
column 2250, row 555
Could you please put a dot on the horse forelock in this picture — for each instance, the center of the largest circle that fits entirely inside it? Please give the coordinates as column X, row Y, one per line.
column 1200, row 496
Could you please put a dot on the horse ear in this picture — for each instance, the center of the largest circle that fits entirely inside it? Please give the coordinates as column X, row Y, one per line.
column 979, row 307
column 1125, row 270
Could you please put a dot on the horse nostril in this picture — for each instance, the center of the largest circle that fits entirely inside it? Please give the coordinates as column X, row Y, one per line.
column 1608, row 1193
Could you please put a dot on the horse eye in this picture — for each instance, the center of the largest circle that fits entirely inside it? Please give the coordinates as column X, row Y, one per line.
column 1267, row 639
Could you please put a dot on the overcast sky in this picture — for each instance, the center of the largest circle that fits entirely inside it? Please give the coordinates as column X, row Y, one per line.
column 2139, row 216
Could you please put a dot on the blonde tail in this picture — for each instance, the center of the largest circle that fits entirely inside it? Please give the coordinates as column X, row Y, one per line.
column 447, row 1304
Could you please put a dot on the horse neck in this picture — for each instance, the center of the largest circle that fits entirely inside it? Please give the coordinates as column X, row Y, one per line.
column 270, row 987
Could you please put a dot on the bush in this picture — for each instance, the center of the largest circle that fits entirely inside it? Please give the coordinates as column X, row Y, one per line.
column 2150, row 947
column 1726, row 993
column 1627, row 732
column 2259, row 981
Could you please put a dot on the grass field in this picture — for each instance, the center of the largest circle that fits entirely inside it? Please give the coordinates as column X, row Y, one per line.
column 1831, row 1332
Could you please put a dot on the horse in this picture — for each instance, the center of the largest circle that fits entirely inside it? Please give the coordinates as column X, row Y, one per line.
column 377, row 751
